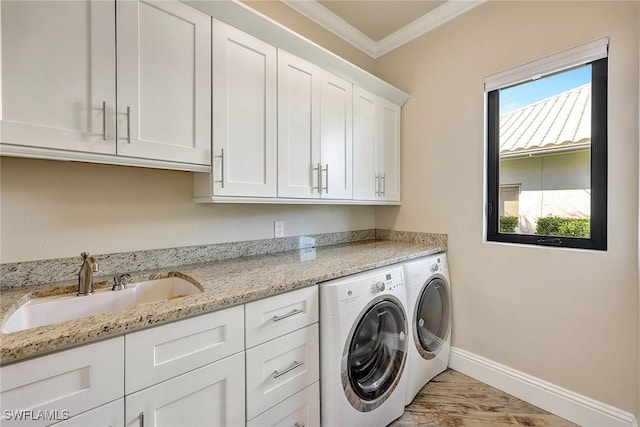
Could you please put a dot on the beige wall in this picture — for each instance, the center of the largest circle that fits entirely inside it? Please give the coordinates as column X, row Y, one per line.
column 567, row 316
column 58, row 209
column 282, row 13
column 638, row 354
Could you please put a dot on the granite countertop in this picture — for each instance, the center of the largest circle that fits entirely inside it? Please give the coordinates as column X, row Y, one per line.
column 224, row 283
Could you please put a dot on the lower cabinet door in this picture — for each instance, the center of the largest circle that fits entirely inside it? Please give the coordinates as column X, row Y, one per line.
column 301, row 409
column 280, row 368
column 209, row 396
column 109, row 415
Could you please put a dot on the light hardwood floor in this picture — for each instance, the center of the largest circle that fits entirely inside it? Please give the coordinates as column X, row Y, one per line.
column 454, row 399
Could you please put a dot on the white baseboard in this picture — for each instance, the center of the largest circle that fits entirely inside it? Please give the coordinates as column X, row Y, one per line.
column 567, row 404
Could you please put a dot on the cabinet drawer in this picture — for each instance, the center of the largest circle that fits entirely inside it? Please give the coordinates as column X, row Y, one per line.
column 301, row 409
column 111, row 414
column 163, row 352
column 280, row 368
column 275, row 316
column 209, row 396
column 69, row 382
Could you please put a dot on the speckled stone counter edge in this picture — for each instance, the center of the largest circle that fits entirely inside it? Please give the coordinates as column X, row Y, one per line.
column 224, row 283
column 31, row 273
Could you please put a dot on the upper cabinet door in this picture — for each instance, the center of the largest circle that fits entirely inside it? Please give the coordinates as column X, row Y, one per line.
column 244, row 114
column 58, row 75
column 336, row 138
column 389, row 121
column 298, row 127
column 376, row 147
column 366, row 162
column 164, row 81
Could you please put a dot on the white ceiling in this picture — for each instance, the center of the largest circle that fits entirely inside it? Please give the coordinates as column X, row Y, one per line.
column 378, row 19
column 379, row 26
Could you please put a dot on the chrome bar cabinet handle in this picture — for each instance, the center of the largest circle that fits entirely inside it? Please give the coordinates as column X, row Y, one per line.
column 104, row 120
column 326, row 178
column 293, row 366
column 383, row 177
column 128, row 125
column 289, row 314
column 317, row 178
column 221, row 157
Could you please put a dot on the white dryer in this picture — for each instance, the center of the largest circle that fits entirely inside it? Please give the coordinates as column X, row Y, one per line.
column 429, row 302
column 363, row 348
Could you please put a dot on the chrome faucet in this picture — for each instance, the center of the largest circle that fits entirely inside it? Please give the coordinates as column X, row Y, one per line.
column 85, row 275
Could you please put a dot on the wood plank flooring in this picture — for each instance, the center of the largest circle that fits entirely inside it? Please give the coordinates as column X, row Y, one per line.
column 454, row 399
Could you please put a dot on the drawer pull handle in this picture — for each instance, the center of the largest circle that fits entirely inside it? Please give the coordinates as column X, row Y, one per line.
column 141, row 419
column 284, row 316
column 293, row 366
column 299, row 425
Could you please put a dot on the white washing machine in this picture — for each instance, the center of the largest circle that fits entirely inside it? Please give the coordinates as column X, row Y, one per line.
column 363, row 348
column 429, row 302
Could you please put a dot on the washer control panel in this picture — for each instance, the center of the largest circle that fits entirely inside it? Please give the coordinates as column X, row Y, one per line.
column 378, row 287
column 352, row 292
column 389, row 281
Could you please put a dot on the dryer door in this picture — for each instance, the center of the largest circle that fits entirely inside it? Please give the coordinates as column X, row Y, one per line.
column 374, row 356
column 432, row 318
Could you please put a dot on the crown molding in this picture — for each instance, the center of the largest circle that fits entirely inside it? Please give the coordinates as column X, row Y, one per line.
column 438, row 16
column 338, row 26
column 333, row 23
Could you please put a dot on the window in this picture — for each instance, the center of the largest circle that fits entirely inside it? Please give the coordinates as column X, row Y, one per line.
column 547, row 151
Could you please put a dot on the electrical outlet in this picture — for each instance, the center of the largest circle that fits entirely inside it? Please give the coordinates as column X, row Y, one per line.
column 278, row 229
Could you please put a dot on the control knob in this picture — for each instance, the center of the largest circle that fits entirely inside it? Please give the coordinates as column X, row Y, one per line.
column 435, row 267
column 378, row 287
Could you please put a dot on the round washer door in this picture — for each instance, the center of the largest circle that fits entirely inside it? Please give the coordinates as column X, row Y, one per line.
column 375, row 354
column 431, row 319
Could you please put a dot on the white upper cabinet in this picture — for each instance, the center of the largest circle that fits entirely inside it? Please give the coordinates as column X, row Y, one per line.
column 298, row 127
column 58, row 75
column 244, row 115
column 389, row 119
column 314, row 131
column 376, row 147
column 336, row 138
column 164, row 81
column 59, row 82
column 365, row 146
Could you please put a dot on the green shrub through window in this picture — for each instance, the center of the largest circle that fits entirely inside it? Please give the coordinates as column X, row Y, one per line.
column 508, row 224
column 567, row 227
